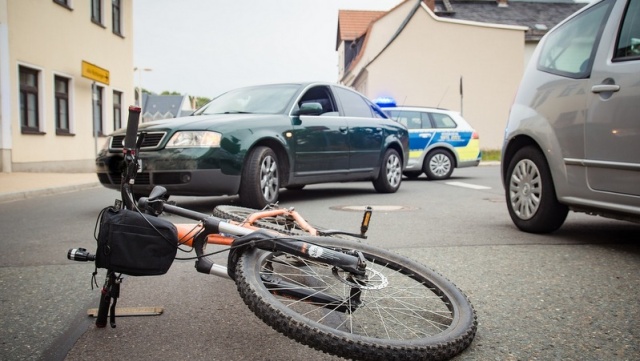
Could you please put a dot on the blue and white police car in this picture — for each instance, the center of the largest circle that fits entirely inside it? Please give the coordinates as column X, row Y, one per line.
column 439, row 141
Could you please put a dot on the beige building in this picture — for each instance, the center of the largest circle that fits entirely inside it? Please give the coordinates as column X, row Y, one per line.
column 66, row 80
column 420, row 59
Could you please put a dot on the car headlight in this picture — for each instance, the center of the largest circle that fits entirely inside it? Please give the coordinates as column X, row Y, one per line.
column 195, row 139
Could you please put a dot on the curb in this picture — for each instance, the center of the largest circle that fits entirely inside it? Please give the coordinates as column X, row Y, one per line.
column 15, row 196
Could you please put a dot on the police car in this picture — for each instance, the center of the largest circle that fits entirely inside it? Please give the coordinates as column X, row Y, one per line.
column 439, row 141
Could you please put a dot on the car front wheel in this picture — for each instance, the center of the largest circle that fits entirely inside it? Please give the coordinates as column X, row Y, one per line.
column 390, row 176
column 530, row 193
column 260, row 185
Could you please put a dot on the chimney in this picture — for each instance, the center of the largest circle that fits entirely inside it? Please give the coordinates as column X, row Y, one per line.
column 431, row 4
column 502, row 3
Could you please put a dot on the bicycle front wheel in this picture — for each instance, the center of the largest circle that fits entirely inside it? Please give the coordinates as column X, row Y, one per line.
column 400, row 311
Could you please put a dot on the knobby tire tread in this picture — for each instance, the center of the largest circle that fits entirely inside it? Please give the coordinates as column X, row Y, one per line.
column 291, row 324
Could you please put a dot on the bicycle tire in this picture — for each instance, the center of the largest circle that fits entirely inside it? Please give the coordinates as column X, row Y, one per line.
column 442, row 319
column 279, row 224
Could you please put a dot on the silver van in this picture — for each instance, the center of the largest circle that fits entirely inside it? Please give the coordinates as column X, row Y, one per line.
column 572, row 141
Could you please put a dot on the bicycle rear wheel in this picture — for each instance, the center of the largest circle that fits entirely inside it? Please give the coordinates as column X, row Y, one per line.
column 281, row 224
column 404, row 310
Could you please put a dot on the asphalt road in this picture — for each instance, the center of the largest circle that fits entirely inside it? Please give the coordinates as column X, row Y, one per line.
column 572, row 295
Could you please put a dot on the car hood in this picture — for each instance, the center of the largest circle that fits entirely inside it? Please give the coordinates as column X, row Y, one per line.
column 217, row 122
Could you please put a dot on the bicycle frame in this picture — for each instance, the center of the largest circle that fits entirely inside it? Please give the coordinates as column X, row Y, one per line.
column 185, row 231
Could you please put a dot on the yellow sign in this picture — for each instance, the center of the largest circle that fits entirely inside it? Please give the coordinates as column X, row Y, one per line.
column 95, row 72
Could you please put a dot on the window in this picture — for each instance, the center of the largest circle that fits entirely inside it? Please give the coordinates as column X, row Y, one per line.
column 442, row 121
column 410, row 119
column 97, row 110
column 29, row 107
column 354, row 105
column 115, row 18
column 628, row 45
column 322, row 96
column 96, row 11
column 65, row 3
column 117, row 110
column 569, row 50
column 61, row 105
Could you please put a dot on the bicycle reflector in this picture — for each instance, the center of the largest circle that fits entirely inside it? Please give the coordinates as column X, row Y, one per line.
column 364, row 226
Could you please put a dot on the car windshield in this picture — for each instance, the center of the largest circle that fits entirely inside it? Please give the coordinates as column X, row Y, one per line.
column 270, row 99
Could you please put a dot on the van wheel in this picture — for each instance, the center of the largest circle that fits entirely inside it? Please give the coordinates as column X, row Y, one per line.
column 531, row 195
column 439, row 164
column 260, row 185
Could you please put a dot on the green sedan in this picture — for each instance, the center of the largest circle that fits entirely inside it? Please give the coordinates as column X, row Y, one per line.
column 254, row 141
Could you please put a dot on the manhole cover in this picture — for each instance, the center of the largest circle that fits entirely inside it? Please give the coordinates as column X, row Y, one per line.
column 383, row 208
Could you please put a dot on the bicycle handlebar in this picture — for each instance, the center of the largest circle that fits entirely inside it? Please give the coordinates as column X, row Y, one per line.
column 132, row 128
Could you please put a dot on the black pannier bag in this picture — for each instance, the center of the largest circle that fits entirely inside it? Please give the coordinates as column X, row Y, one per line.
column 135, row 244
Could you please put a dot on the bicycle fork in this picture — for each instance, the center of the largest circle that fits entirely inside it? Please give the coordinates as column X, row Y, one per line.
column 352, row 263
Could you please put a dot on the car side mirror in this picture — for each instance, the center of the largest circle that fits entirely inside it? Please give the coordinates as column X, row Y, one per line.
column 311, row 108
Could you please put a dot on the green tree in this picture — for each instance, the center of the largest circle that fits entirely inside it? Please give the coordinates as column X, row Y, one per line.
column 200, row 101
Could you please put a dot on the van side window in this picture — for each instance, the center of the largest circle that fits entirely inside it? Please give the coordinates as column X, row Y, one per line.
column 569, row 50
column 628, row 44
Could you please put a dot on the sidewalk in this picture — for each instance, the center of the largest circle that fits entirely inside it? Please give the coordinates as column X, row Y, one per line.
column 22, row 185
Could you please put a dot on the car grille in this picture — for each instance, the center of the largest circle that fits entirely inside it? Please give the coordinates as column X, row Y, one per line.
column 141, row 178
column 151, row 141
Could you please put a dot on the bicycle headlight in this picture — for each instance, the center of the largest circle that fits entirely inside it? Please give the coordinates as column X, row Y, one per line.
column 195, row 139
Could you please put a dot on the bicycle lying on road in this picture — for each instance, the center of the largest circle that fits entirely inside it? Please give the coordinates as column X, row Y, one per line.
column 317, row 286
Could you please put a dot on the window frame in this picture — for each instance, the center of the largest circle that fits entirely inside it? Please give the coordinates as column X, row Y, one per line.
column 552, row 41
column 36, row 91
column 442, row 116
column 117, row 109
column 116, row 21
column 97, row 107
column 628, row 13
column 57, row 98
column 351, row 107
column 64, row 3
column 97, row 12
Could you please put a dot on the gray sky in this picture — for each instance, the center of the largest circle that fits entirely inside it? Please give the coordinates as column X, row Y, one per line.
column 204, row 48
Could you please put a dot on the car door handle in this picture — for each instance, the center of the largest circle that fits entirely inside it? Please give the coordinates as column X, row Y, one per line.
column 343, row 129
column 605, row 88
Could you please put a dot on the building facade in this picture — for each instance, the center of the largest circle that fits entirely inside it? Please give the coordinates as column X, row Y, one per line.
column 428, row 53
column 66, row 81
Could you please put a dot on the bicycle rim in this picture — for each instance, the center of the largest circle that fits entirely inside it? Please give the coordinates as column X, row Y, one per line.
column 280, row 224
column 406, row 311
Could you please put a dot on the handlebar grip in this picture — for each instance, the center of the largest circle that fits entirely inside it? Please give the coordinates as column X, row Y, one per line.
column 132, row 127
column 103, row 309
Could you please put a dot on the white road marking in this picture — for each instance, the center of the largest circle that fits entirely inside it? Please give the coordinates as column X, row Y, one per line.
column 467, row 185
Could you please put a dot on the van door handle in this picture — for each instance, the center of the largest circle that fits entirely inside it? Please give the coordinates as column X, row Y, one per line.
column 605, row 88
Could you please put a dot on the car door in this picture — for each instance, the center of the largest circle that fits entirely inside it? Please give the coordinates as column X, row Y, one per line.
column 321, row 141
column 366, row 133
column 421, row 132
column 612, row 132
